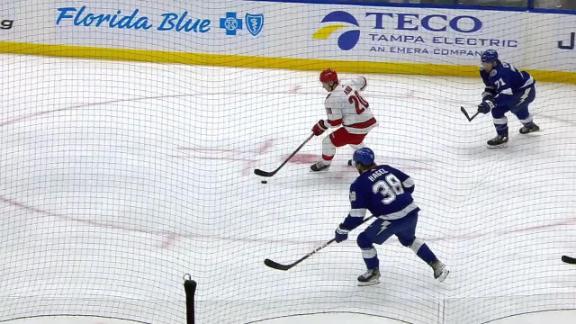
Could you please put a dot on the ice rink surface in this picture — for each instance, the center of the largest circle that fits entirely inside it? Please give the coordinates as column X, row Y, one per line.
column 118, row 178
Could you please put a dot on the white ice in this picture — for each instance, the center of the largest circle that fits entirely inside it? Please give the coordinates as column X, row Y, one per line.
column 118, row 178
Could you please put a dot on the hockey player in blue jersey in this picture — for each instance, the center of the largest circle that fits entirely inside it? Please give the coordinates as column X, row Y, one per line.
column 387, row 193
column 507, row 89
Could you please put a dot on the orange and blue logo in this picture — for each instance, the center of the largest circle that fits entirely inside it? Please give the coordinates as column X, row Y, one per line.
column 336, row 21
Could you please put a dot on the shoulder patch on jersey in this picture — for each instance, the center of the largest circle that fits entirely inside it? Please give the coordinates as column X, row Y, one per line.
column 493, row 73
column 352, row 196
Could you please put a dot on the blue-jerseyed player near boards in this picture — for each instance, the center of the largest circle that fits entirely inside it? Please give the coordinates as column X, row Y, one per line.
column 387, row 193
column 507, row 89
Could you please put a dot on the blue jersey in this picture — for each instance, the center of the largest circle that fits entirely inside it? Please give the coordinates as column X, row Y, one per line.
column 384, row 191
column 504, row 82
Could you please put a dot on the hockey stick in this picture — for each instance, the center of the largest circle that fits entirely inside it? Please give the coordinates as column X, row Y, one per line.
column 272, row 173
column 569, row 260
column 284, row 267
column 463, row 110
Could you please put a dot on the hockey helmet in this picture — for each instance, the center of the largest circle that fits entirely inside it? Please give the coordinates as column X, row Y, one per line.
column 364, row 156
column 328, row 75
column 489, row 56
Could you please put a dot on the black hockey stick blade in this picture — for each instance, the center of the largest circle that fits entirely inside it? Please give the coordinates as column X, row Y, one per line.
column 276, row 265
column 263, row 173
column 463, row 110
column 569, row 260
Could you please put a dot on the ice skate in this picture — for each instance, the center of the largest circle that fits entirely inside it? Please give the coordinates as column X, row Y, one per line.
column 319, row 166
column 498, row 140
column 440, row 270
column 529, row 128
column 370, row 277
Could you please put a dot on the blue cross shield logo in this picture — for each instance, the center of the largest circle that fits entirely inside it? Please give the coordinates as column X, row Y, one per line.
column 230, row 23
column 254, row 23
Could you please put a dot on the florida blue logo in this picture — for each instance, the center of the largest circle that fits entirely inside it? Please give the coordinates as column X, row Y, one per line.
column 335, row 21
column 254, row 23
column 230, row 23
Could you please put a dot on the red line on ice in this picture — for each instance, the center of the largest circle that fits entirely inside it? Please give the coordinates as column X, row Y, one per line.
column 14, row 203
column 169, row 240
column 169, row 237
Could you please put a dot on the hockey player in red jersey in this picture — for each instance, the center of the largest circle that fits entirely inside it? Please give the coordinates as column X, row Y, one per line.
column 347, row 111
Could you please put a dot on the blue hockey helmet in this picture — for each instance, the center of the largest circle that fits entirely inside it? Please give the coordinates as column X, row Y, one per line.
column 364, row 156
column 489, row 55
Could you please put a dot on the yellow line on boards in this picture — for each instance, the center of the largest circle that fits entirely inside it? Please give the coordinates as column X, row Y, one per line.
column 303, row 64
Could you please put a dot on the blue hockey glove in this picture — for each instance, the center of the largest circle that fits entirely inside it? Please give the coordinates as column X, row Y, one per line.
column 341, row 234
column 489, row 93
column 486, row 106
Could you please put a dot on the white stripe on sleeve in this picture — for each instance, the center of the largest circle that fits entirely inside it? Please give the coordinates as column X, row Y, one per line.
column 408, row 183
column 358, row 212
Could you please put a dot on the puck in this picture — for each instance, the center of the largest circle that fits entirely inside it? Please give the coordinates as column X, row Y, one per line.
column 264, row 182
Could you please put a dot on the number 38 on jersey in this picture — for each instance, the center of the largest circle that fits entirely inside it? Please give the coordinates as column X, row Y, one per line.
column 389, row 188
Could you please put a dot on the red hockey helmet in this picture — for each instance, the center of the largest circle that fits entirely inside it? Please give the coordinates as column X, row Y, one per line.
column 328, row 75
